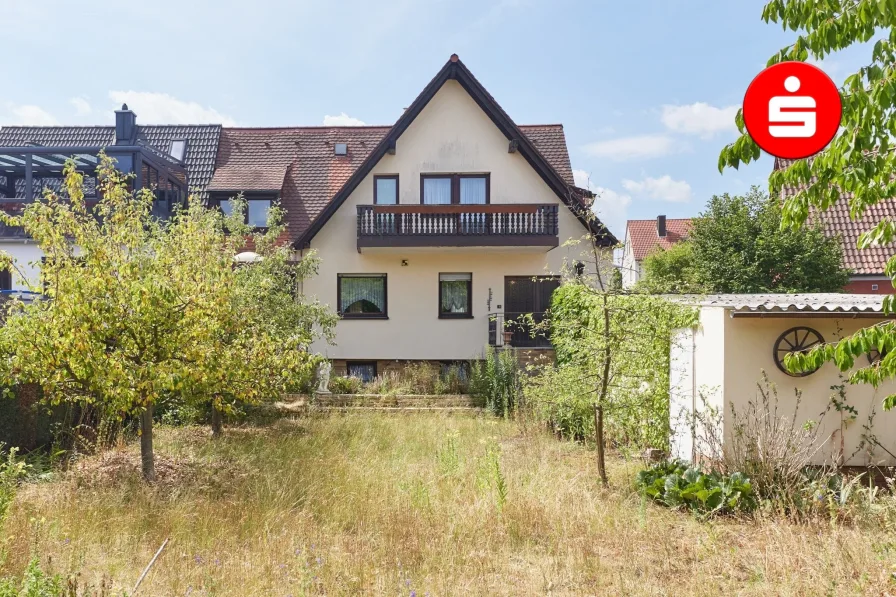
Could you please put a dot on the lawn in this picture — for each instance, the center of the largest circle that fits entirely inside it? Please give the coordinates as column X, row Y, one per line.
column 411, row 505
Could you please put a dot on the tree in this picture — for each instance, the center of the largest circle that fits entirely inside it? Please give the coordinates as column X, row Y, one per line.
column 612, row 351
column 738, row 245
column 137, row 309
column 670, row 271
column 860, row 163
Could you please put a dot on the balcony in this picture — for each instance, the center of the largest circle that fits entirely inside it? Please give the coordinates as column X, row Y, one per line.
column 532, row 226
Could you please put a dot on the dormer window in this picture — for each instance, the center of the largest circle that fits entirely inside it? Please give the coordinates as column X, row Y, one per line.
column 257, row 208
column 178, row 149
column 341, row 149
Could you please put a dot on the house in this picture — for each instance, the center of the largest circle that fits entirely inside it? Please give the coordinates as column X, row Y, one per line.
column 866, row 266
column 171, row 160
column 642, row 237
column 432, row 232
column 717, row 364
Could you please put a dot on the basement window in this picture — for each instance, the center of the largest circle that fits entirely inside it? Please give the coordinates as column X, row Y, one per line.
column 363, row 370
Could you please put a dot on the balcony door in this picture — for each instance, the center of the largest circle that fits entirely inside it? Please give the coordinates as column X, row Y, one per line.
column 522, row 295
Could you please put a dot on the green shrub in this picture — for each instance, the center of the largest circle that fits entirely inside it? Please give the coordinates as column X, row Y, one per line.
column 12, row 471
column 678, row 485
column 496, row 381
column 34, row 583
column 345, row 385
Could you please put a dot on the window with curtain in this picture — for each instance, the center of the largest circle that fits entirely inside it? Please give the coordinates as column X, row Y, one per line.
column 385, row 190
column 472, row 190
column 455, row 295
column 437, row 190
column 362, row 295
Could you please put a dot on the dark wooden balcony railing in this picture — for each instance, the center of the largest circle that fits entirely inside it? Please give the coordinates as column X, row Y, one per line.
column 457, row 225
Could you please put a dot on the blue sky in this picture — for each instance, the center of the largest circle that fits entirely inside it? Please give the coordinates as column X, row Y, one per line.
column 646, row 90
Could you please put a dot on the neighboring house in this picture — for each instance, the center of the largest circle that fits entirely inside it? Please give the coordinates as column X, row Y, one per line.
column 866, row 266
column 643, row 237
column 170, row 159
column 717, row 364
column 430, row 232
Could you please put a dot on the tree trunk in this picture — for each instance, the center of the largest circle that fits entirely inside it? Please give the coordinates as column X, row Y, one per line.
column 599, row 443
column 217, row 421
column 147, row 457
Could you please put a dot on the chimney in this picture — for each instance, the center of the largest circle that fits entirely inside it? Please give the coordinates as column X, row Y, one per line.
column 661, row 226
column 125, row 126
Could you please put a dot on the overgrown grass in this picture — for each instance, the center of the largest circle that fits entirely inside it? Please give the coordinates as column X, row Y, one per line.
column 401, row 505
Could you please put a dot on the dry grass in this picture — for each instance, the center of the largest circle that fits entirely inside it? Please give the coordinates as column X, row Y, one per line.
column 379, row 504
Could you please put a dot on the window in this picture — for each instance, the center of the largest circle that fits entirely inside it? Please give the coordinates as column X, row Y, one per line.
column 256, row 210
column 455, row 296
column 340, row 149
column 361, row 296
column 464, row 189
column 5, row 280
column 178, row 149
column 385, row 189
column 363, row 370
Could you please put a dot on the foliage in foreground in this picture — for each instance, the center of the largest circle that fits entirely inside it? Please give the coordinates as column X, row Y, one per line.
column 678, row 485
column 138, row 309
column 859, row 165
column 634, row 332
column 496, row 381
column 414, row 378
column 737, row 245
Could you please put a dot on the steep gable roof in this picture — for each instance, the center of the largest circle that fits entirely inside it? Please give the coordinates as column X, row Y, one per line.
column 310, row 174
column 643, row 239
column 454, row 69
column 838, row 224
column 202, row 143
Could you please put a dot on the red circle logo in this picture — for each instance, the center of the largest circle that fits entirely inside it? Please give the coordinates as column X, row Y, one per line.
column 792, row 110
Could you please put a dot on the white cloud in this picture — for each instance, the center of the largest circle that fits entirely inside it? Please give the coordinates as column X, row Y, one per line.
column 662, row 188
column 30, row 115
column 82, row 106
column 161, row 108
column 699, row 119
column 632, row 148
column 342, row 120
column 611, row 207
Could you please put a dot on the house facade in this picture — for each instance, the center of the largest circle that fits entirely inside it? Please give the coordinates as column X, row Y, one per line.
column 642, row 237
column 432, row 233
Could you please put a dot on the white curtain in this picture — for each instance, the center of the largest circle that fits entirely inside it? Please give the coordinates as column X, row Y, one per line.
column 362, row 294
column 436, row 191
column 472, row 191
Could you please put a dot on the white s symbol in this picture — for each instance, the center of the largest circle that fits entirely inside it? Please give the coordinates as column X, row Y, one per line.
column 800, row 123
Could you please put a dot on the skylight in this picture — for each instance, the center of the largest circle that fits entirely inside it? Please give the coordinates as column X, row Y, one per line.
column 341, row 149
column 178, row 149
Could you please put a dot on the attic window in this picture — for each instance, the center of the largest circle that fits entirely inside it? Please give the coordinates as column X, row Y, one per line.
column 341, row 149
column 178, row 149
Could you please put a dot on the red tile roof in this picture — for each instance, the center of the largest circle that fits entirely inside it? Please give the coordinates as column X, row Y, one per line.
column 642, row 236
column 837, row 223
column 310, row 174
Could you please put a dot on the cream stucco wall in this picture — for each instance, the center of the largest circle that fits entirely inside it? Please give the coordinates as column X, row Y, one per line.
column 451, row 134
column 27, row 258
column 740, row 348
column 631, row 269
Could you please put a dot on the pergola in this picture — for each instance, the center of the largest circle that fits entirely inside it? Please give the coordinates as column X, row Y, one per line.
column 20, row 167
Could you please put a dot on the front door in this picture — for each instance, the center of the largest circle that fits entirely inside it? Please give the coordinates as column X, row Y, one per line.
column 523, row 295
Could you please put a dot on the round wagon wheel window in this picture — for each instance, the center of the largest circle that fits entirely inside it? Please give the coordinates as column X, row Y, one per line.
column 799, row 339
